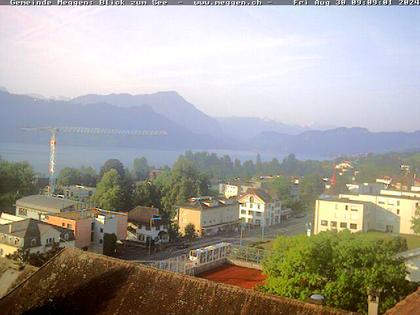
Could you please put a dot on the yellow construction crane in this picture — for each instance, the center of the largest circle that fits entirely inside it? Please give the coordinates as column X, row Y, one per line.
column 82, row 130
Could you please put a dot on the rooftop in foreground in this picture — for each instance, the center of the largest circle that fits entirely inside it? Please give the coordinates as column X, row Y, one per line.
column 77, row 282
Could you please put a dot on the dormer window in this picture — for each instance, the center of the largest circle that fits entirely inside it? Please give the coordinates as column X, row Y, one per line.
column 251, row 199
column 33, row 242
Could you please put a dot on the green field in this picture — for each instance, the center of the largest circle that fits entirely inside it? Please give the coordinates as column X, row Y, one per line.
column 413, row 241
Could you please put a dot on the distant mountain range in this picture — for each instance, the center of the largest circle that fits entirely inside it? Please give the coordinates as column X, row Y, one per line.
column 187, row 127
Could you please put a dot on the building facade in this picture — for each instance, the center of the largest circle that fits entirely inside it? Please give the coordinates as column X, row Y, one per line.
column 383, row 212
column 209, row 215
column 258, row 208
column 33, row 236
column 145, row 225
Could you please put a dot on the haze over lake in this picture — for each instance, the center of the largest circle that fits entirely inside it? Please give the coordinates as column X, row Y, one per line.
column 76, row 156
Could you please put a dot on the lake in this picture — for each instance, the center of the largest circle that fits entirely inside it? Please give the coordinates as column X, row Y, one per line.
column 76, row 156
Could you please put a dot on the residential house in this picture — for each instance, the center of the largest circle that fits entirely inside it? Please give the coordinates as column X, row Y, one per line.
column 258, row 207
column 36, row 205
column 108, row 222
column 32, row 235
column 209, row 215
column 145, row 225
column 236, row 188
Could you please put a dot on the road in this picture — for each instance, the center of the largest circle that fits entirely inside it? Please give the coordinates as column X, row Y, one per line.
column 293, row 226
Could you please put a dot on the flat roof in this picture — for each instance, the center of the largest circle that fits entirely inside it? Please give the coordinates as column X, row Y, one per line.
column 42, row 202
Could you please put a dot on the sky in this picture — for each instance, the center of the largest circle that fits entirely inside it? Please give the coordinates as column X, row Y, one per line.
column 336, row 66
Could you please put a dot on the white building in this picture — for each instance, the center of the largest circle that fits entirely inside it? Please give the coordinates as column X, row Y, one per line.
column 37, row 205
column 384, row 212
column 257, row 207
column 145, row 225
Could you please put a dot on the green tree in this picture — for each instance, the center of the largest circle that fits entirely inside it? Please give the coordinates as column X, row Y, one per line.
column 281, row 185
column 189, row 232
column 311, row 186
column 341, row 266
column 110, row 244
column 88, row 176
column 141, row 168
column 112, row 164
column 184, row 182
column 147, row 194
column 109, row 193
column 69, row 176
column 415, row 221
column 16, row 180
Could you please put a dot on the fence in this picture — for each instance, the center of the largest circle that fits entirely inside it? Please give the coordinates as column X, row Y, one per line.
column 183, row 264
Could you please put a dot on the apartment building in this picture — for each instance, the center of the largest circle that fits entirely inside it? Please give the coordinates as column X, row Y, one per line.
column 80, row 222
column 32, row 235
column 257, row 207
column 383, row 212
column 208, row 215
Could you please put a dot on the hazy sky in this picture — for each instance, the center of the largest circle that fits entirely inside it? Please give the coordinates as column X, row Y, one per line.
column 333, row 66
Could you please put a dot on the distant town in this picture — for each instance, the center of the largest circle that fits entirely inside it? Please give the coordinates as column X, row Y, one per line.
column 268, row 227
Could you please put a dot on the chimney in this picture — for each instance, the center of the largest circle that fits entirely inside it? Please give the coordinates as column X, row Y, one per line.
column 373, row 303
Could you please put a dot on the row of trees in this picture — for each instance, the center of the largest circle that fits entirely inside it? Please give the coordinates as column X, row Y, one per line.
column 225, row 168
column 342, row 266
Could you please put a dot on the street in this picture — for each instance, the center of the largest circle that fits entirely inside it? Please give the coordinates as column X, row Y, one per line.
column 293, row 226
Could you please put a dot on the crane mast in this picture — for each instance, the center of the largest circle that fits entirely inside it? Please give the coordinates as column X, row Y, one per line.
column 83, row 130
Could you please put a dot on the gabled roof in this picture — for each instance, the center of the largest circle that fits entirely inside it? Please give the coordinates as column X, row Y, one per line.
column 263, row 195
column 30, row 228
column 78, row 282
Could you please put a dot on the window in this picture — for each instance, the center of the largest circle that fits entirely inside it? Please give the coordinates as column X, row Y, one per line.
column 354, row 209
column 343, row 225
column 23, row 212
column 101, row 230
column 243, row 211
column 353, row 226
column 324, row 222
column 66, row 237
column 100, row 241
column 251, row 205
column 251, row 199
column 63, row 224
column 92, row 226
column 258, row 222
column 346, row 207
column 33, row 242
column 398, row 202
column 257, row 214
column 69, row 226
column 333, row 224
column 398, row 211
column 258, row 206
column 91, row 236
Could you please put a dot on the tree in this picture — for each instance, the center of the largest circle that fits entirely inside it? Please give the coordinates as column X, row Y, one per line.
column 16, row 180
column 189, row 232
column 341, row 266
column 147, row 194
column 141, row 168
column 110, row 244
column 108, row 193
column 311, row 186
column 183, row 182
column 112, row 164
column 415, row 221
column 281, row 186
column 69, row 176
